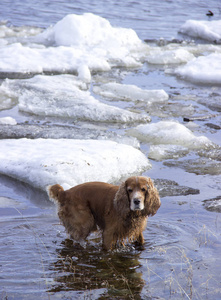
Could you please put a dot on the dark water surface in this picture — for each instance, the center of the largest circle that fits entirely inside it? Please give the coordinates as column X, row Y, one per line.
column 181, row 259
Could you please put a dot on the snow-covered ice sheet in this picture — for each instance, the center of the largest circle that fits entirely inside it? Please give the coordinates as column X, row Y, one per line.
column 169, row 132
column 40, row 96
column 42, row 162
column 119, row 91
column 207, row 30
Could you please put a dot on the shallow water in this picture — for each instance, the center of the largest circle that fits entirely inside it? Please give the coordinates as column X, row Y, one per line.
column 181, row 259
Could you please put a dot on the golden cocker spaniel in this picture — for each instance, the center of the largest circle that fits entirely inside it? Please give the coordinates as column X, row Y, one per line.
column 121, row 212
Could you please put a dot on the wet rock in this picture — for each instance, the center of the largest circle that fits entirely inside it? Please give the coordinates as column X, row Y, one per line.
column 201, row 166
column 213, row 204
column 172, row 188
column 198, row 118
column 213, row 126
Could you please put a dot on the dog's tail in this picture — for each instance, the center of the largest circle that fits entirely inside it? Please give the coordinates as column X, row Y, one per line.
column 54, row 192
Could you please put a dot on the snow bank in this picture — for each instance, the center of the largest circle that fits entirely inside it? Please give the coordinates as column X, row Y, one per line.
column 203, row 69
column 40, row 96
column 207, row 30
column 43, row 162
column 77, row 40
column 169, row 132
column 130, row 92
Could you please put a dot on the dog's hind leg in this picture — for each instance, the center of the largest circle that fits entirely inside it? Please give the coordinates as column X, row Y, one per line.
column 78, row 223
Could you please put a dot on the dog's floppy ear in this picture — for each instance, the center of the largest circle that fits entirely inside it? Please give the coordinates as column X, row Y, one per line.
column 121, row 200
column 152, row 201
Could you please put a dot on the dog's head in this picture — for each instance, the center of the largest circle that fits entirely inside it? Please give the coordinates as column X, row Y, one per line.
column 137, row 190
column 137, row 194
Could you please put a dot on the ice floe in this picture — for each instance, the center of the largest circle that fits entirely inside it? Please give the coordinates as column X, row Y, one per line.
column 42, row 162
column 89, row 30
column 207, row 30
column 172, row 56
column 40, row 96
column 169, row 133
column 203, row 69
column 7, row 121
column 76, row 40
column 162, row 152
column 130, row 92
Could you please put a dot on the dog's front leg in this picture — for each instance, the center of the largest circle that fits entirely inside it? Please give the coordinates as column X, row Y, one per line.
column 108, row 240
column 139, row 242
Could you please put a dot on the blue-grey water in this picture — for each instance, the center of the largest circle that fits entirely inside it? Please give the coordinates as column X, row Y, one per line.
column 181, row 259
column 150, row 19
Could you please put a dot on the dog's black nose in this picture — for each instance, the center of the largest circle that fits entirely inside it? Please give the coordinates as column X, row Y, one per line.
column 136, row 201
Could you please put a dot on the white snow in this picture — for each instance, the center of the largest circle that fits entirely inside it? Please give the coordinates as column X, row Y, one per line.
column 40, row 96
column 42, row 162
column 169, row 132
column 7, row 121
column 207, row 30
column 130, row 92
column 203, row 69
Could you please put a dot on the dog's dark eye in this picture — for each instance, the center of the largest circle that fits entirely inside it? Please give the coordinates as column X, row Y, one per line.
column 143, row 190
column 129, row 190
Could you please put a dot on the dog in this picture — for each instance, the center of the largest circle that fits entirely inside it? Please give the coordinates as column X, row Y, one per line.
column 120, row 212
